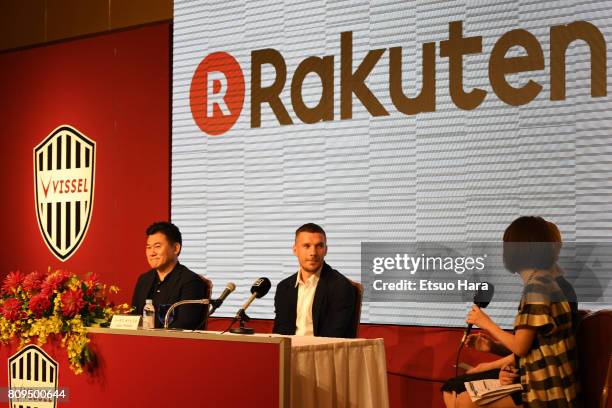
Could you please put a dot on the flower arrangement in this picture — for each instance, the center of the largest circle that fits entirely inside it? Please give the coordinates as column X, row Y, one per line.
column 37, row 306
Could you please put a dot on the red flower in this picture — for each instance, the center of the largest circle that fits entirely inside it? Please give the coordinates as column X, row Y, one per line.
column 54, row 281
column 33, row 281
column 39, row 304
column 11, row 309
column 12, row 282
column 72, row 302
column 92, row 279
column 91, row 285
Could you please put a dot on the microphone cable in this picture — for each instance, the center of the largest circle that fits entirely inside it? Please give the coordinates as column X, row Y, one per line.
column 457, row 367
column 234, row 320
column 459, row 355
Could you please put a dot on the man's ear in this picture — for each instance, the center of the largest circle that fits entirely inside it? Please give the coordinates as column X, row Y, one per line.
column 177, row 248
column 294, row 250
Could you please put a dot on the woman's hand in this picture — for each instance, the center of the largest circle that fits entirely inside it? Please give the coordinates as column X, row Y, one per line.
column 480, row 342
column 478, row 317
column 508, row 375
column 480, row 368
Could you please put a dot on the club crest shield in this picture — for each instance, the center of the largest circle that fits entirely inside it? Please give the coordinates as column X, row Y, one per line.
column 33, row 369
column 64, row 169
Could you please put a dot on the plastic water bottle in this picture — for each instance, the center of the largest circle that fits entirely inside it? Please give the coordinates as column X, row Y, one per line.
column 148, row 315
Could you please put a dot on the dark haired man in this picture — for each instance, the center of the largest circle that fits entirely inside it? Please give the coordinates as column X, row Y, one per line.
column 317, row 300
column 168, row 281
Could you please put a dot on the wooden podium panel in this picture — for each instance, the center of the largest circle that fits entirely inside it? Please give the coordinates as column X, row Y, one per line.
column 173, row 369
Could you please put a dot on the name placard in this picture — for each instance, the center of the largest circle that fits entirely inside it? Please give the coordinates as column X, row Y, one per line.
column 125, row 322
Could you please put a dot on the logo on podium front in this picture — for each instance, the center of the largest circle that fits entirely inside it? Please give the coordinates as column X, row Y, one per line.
column 32, row 378
column 64, row 169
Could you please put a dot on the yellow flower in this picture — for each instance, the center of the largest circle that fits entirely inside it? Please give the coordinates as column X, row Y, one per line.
column 51, row 322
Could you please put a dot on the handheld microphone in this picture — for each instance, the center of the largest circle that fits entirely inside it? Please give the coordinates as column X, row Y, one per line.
column 482, row 298
column 229, row 288
column 259, row 289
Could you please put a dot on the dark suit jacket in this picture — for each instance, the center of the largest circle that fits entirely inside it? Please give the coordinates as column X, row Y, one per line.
column 333, row 307
column 183, row 285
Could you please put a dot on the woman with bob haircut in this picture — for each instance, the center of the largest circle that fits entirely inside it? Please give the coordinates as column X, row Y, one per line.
column 542, row 347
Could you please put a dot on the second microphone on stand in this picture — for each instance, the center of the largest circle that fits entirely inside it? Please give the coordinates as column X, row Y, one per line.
column 215, row 304
column 259, row 289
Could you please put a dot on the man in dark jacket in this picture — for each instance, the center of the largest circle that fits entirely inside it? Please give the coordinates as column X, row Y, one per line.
column 168, row 281
column 317, row 300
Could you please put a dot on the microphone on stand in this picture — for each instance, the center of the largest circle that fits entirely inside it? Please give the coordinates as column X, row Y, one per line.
column 259, row 289
column 215, row 304
column 180, row 303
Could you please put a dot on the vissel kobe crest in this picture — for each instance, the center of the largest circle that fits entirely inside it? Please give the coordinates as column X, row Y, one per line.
column 64, row 168
column 33, row 369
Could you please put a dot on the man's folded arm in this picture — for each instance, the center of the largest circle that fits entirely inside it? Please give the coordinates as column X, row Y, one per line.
column 280, row 313
column 190, row 316
column 341, row 311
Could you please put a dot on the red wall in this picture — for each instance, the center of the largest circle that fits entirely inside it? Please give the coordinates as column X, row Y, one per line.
column 115, row 88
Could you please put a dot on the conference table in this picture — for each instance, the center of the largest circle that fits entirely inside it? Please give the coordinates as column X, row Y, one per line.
column 157, row 368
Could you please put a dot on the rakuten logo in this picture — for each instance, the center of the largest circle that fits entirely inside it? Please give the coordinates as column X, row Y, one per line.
column 217, row 93
column 217, row 89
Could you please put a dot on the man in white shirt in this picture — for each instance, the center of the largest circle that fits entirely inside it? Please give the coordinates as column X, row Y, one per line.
column 317, row 300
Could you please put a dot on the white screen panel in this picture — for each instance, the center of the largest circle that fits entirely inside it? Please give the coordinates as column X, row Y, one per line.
column 452, row 174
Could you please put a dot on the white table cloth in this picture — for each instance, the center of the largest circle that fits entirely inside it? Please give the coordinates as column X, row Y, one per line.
column 338, row 373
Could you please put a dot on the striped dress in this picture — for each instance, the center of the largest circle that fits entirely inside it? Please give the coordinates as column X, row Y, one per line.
column 548, row 372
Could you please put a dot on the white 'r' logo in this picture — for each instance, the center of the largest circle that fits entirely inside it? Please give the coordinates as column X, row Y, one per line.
column 217, row 98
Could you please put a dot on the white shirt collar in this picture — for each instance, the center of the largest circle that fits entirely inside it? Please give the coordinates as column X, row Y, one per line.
column 314, row 278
